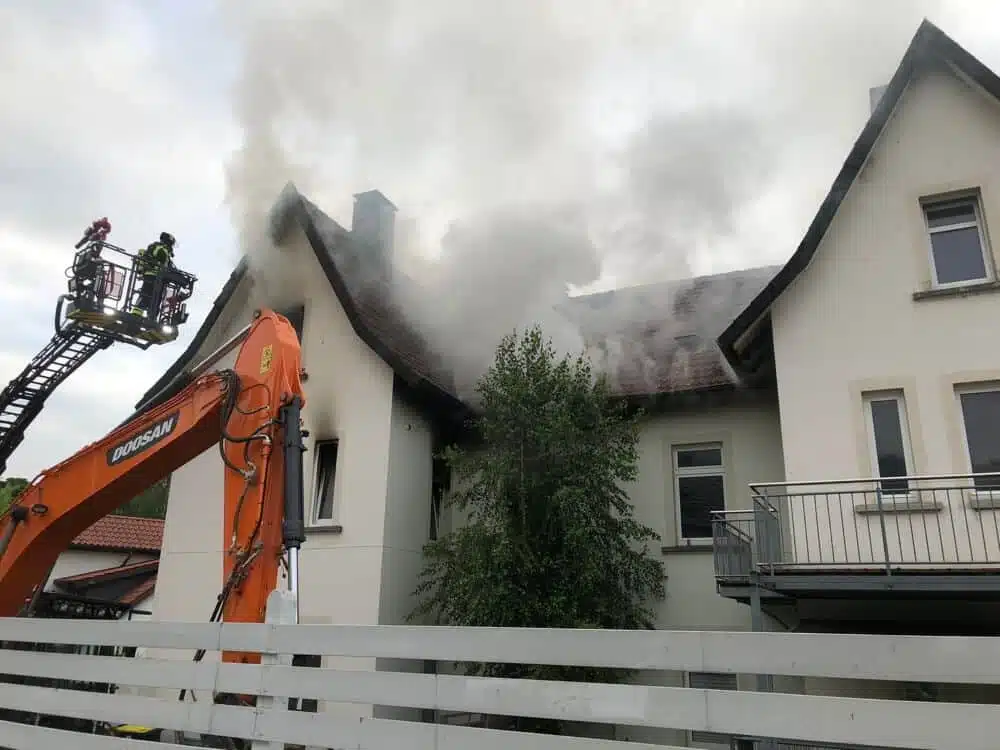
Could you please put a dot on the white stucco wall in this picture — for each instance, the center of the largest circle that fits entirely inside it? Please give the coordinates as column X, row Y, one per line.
column 850, row 324
column 361, row 568
column 406, row 530
column 752, row 452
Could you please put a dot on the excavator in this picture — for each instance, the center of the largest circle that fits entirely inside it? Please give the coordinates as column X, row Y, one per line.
column 252, row 412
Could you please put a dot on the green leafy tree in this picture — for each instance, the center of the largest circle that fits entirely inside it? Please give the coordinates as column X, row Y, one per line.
column 150, row 503
column 9, row 489
column 550, row 538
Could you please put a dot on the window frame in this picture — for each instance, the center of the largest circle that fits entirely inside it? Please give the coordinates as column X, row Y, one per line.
column 315, row 502
column 899, row 397
column 699, row 471
column 931, row 203
column 960, row 390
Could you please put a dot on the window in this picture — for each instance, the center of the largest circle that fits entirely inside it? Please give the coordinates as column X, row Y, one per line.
column 326, row 472
column 699, row 486
column 889, row 439
column 711, row 681
column 297, row 317
column 981, row 417
column 958, row 242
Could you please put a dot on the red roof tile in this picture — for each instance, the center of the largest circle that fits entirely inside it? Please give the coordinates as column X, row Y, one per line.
column 122, row 533
column 139, row 593
column 105, row 574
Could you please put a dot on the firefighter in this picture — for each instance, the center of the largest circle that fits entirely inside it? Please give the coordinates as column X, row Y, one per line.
column 150, row 261
column 86, row 266
column 97, row 232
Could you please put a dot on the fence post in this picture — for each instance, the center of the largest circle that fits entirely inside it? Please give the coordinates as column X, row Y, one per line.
column 282, row 609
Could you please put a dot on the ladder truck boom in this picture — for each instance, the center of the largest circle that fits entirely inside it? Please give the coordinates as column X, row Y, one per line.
column 96, row 311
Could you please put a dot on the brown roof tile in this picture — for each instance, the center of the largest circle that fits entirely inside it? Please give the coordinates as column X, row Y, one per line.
column 128, row 533
column 140, row 592
column 655, row 322
column 368, row 287
column 669, row 329
column 106, row 574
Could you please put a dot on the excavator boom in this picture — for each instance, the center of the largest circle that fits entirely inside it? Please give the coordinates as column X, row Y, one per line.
column 251, row 411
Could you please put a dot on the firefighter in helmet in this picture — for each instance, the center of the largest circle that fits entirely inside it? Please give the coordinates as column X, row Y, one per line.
column 149, row 262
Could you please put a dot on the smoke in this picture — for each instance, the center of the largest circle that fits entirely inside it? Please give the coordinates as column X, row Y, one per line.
column 536, row 148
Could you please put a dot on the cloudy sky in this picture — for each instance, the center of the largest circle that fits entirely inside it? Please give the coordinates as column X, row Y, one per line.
column 691, row 138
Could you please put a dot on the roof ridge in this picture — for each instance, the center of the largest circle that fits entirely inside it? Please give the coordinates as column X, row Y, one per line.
column 928, row 44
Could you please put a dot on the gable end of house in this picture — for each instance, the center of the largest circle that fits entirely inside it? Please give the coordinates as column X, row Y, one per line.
column 929, row 47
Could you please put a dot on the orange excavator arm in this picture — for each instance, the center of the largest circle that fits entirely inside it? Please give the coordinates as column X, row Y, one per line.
column 250, row 411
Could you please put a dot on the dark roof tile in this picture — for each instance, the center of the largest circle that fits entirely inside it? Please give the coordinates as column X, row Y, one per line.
column 646, row 319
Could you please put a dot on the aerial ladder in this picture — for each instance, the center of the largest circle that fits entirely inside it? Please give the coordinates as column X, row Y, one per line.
column 98, row 309
column 253, row 413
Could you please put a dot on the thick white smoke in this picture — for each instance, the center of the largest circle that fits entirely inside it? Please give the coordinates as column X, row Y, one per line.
column 535, row 146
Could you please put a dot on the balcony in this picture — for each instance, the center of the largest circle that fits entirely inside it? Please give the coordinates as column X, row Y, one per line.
column 908, row 535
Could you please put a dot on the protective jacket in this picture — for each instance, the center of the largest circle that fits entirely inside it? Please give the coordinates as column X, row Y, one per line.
column 153, row 258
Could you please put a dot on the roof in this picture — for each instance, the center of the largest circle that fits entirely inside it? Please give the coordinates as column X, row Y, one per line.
column 126, row 584
column 660, row 338
column 122, row 533
column 140, row 592
column 647, row 357
column 929, row 47
column 108, row 574
column 363, row 292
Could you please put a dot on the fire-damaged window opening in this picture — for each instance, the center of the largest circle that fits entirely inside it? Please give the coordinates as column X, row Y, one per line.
column 440, row 482
column 688, row 342
column 325, row 485
column 297, row 317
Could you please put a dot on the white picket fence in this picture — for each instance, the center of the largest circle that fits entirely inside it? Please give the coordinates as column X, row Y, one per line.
column 809, row 719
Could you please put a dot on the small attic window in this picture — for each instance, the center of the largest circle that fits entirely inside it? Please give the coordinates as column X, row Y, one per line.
column 957, row 238
column 688, row 342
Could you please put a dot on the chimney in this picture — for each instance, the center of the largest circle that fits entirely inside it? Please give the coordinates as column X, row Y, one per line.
column 875, row 96
column 373, row 226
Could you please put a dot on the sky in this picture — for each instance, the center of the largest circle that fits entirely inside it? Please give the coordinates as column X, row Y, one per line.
column 684, row 137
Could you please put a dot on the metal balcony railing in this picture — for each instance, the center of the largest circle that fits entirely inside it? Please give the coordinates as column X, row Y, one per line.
column 757, row 743
column 913, row 522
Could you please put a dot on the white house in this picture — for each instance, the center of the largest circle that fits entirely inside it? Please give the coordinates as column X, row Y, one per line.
column 841, row 380
column 108, row 572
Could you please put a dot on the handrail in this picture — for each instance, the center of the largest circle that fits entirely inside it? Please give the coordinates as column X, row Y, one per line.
column 913, row 522
column 862, row 480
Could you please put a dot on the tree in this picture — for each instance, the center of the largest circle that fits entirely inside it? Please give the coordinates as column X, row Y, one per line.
column 9, row 489
column 550, row 538
column 150, row 503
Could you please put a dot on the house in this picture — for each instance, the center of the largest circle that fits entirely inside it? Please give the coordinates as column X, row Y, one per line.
column 812, row 431
column 108, row 572
column 888, row 387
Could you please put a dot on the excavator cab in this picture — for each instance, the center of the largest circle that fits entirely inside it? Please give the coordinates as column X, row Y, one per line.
column 103, row 296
